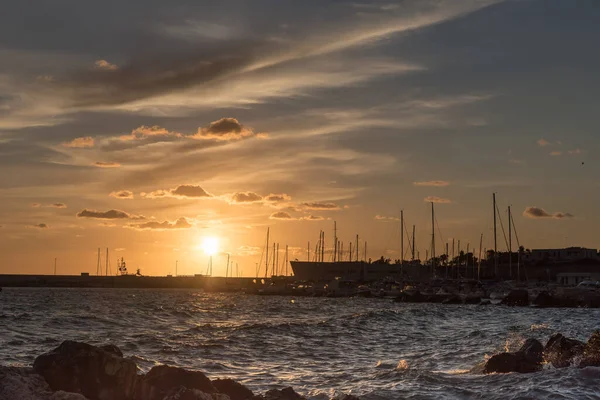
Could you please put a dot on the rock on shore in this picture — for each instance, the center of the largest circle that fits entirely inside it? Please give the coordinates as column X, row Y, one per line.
column 79, row 371
column 559, row 351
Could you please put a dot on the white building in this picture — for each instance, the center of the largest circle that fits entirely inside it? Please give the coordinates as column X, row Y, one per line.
column 574, row 278
column 562, row 255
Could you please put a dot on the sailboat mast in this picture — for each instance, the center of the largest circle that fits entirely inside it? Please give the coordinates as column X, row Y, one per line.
column 413, row 243
column 479, row 266
column 322, row 246
column 286, row 260
column 335, row 245
column 107, row 261
column 495, row 239
column 267, row 257
column 308, row 252
column 509, row 242
column 356, row 248
column 401, row 238
column 433, row 238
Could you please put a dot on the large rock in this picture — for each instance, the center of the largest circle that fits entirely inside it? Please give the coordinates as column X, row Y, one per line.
column 233, row 389
column 407, row 297
column 157, row 383
column 527, row 359
column 516, row 298
column 561, row 351
column 591, row 352
column 545, row 299
column 25, row 384
column 283, row 394
column 183, row 393
column 89, row 370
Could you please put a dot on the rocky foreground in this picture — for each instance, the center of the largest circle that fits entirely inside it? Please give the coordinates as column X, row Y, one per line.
column 560, row 352
column 79, row 371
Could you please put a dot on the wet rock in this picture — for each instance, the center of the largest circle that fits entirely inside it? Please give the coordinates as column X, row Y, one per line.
column 416, row 297
column 347, row 397
column 183, row 393
column 527, row 359
column 22, row 383
column 233, row 389
column 546, row 300
column 160, row 380
column 111, row 348
column 453, row 299
column 473, row 300
column 485, row 303
column 82, row 368
column 591, row 352
column 561, row 351
column 60, row 395
column 283, row 394
column 516, row 298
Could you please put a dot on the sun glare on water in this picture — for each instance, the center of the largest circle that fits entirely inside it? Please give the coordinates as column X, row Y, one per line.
column 210, row 246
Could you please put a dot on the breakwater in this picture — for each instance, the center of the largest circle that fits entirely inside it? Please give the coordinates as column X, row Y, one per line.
column 208, row 283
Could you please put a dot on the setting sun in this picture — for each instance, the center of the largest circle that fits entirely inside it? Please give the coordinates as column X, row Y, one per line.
column 210, row 245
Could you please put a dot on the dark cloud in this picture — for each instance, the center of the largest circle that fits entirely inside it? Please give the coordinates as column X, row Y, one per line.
column 276, row 198
column 281, row 215
column 189, row 191
column 110, row 214
column 122, row 194
column 225, row 129
column 181, row 191
column 150, row 76
column 181, row 223
column 321, row 206
column 42, row 226
column 53, row 205
column 246, row 197
column 537, row 212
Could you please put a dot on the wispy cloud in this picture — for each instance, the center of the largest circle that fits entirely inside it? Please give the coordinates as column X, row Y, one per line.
column 386, row 219
column 181, row 192
column 435, row 199
column 432, row 183
column 106, row 164
column 180, row 223
column 543, row 142
column 81, row 142
column 320, row 206
column 536, row 213
column 42, row 226
column 556, row 153
column 246, row 197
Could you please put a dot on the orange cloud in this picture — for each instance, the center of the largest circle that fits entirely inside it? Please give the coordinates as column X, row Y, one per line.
column 543, row 142
column 435, row 199
column 382, row 218
column 275, row 198
column 556, row 153
column 106, row 164
column 321, row 206
column 432, row 183
column 180, row 223
column 81, row 142
column 181, row 191
column 312, row 218
column 42, row 226
column 105, row 65
column 143, row 132
column 281, row 215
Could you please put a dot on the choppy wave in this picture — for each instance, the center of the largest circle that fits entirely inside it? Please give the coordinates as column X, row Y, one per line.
column 322, row 346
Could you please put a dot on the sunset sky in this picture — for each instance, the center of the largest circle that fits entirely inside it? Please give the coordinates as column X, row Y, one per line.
column 147, row 126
